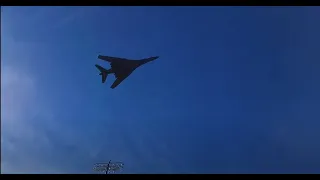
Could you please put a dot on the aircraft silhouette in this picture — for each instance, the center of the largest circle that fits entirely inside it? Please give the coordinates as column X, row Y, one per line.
column 120, row 67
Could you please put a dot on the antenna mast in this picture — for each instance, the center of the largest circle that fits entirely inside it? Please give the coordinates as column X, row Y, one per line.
column 107, row 168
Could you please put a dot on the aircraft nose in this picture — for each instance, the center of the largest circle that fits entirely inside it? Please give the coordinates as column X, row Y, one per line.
column 154, row 58
column 149, row 59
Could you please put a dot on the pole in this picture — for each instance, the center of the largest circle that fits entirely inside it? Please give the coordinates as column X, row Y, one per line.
column 108, row 167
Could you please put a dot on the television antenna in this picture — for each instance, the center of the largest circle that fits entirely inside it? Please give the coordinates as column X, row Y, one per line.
column 107, row 168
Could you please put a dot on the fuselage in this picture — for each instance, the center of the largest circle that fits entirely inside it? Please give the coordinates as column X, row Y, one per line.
column 127, row 67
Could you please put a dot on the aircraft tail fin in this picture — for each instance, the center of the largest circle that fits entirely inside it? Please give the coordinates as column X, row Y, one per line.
column 103, row 76
column 103, row 72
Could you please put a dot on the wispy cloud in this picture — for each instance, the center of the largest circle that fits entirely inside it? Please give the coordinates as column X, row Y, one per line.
column 32, row 140
column 20, row 113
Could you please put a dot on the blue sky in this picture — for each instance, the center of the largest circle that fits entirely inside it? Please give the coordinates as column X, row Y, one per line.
column 235, row 90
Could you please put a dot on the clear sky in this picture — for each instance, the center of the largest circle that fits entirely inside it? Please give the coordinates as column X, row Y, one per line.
column 235, row 90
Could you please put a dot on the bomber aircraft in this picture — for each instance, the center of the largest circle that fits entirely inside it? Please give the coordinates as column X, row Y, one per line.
column 120, row 67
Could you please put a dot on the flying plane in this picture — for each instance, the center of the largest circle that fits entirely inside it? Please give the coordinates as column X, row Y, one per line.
column 120, row 67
